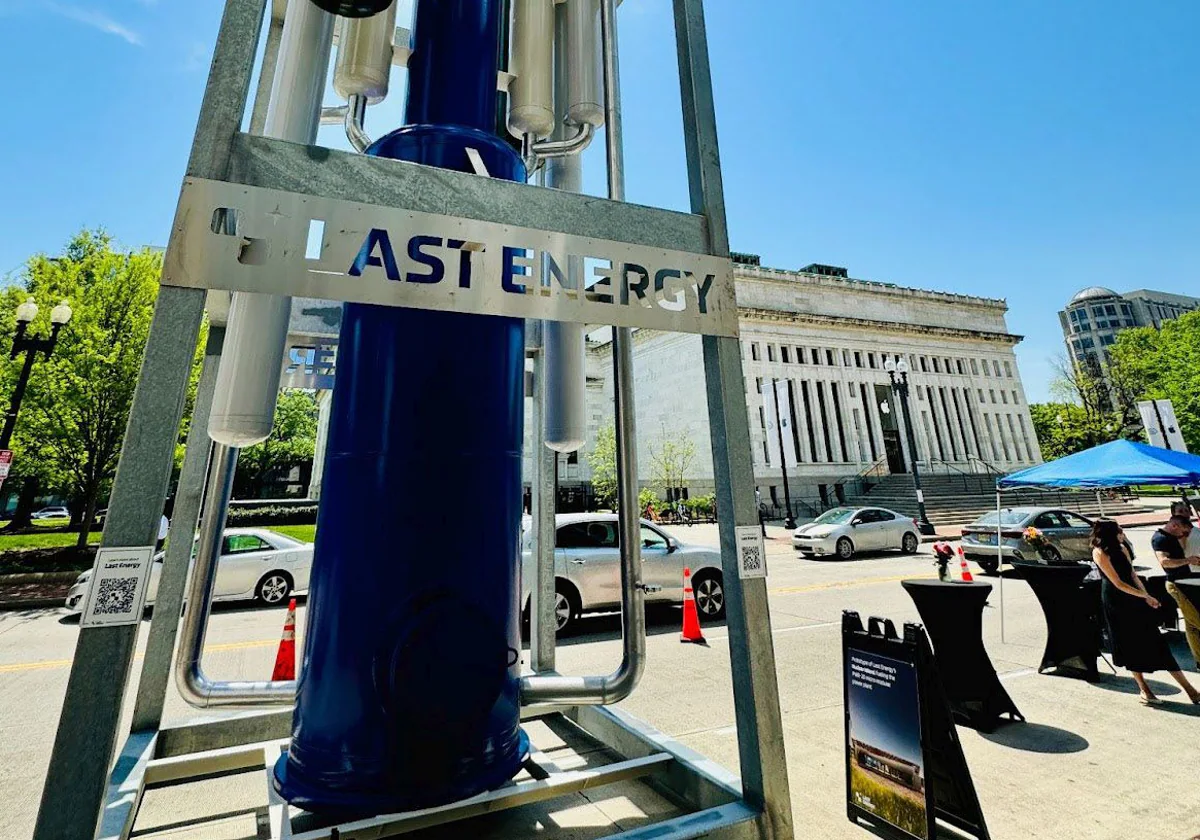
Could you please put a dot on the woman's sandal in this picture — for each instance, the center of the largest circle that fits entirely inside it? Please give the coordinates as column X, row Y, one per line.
column 1151, row 700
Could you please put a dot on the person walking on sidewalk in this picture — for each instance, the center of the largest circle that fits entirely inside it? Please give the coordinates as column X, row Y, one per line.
column 1137, row 643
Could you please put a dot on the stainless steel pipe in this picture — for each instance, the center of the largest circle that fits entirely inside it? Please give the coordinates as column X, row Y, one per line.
column 197, row 689
column 614, row 687
column 356, row 115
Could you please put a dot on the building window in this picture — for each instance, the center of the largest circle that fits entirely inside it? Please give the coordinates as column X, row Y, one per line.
column 857, row 359
column 937, row 365
column 996, row 366
column 754, row 351
column 924, row 365
column 974, row 368
column 920, row 394
column 783, row 354
column 762, row 418
column 871, row 361
column 981, row 395
column 770, row 352
column 845, row 358
column 816, row 356
column 573, row 457
column 992, row 394
column 829, row 358
column 1016, row 401
column 808, row 421
column 766, row 454
column 959, row 366
column 758, row 384
column 862, row 389
column 1008, row 370
column 1108, row 340
column 1004, row 397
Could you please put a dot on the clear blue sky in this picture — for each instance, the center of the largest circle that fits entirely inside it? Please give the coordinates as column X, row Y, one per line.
column 1016, row 148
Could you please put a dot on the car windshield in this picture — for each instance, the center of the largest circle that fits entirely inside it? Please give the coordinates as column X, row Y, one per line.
column 1007, row 517
column 836, row 516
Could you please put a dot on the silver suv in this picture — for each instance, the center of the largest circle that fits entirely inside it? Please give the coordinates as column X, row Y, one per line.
column 587, row 568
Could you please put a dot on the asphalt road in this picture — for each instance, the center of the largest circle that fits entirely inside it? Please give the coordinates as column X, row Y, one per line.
column 1089, row 763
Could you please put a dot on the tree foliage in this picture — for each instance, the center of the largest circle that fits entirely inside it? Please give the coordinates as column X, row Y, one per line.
column 73, row 417
column 1163, row 364
column 670, row 460
column 292, row 443
column 1064, row 428
column 603, row 462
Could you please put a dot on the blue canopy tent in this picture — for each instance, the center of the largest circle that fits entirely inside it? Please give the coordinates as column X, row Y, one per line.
column 1116, row 464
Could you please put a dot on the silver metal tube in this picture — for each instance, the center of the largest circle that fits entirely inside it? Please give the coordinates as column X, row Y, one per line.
column 197, row 689
column 542, row 621
column 571, row 146
column 602, row 690
column 356, row 114
column 334, row 114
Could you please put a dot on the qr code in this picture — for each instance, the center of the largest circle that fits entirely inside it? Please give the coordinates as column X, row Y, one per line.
column 751, row 558
column 115, row 596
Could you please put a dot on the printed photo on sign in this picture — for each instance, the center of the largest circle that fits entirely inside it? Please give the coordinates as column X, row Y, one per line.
column 886, row 764
column 118, row 587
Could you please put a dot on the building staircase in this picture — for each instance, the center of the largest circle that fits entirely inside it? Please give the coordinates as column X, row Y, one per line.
column 961, row 498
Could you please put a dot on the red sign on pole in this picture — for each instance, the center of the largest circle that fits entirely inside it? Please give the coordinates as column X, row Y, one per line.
column 5, row 463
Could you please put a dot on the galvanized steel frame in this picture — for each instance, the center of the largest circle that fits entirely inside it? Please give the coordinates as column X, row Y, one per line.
column 75, row 801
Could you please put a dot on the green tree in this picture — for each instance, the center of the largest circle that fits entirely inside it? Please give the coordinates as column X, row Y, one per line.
column 73, row 418
column 292, row 443
column 1163, row 364
column 670, row 460
column 603, row 462
column 1064, row 428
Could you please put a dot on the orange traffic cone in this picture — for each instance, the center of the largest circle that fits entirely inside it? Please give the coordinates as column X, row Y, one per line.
column 285, row 659
column 966, row 570
column 691, row 618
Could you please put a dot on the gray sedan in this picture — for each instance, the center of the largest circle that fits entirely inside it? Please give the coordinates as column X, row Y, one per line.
column 587, row 568
column 1067, row 536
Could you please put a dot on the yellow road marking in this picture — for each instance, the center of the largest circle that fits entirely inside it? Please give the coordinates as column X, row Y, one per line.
column 261, row 643
column 66, row 663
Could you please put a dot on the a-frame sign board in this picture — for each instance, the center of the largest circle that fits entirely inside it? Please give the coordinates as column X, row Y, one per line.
column 906, row 775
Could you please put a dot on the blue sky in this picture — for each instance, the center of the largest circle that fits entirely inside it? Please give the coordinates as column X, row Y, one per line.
column 1012, row 148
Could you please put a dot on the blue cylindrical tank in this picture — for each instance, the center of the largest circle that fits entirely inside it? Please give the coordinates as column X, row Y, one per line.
column 408, row 693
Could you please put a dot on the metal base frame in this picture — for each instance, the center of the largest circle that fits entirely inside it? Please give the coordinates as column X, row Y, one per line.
column 77, row 803
column 222, row 747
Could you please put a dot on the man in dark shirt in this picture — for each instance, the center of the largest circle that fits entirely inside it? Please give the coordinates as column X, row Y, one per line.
column 1170, row 547
column 1168, row 543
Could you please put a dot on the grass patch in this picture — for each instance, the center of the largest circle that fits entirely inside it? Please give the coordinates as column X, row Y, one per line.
column 904, row 810
column 53, row 539
column 304, row 533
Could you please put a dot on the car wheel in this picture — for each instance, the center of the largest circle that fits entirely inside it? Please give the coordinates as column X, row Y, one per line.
column 273, row 589
column 990, row 565
column 845, row 548
column 1050, row 555
column 909, row 543
column 709, row 591
column 566, row 610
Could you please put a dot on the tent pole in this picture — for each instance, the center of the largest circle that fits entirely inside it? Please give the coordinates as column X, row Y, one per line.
column 1100, row 501
column 1000, row 561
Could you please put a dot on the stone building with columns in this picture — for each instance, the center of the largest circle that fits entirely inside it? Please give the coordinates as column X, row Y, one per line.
column 828, row 336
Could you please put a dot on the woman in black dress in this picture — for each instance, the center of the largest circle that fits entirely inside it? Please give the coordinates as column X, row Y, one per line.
column 1137, row 643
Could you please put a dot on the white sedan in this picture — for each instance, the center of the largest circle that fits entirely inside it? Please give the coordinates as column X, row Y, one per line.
column 255, row 563
column 844, row 531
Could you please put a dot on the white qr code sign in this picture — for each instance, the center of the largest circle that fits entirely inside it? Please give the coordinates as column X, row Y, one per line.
column 118, row 588
column 752, row 555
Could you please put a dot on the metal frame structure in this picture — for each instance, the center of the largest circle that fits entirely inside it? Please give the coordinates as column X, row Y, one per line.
column 82, row 798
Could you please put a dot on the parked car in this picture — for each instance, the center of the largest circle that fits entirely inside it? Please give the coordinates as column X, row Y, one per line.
column 1066, row 533
column 56, row 512
column 255, row 563
column 842, row 532
column 587, row 568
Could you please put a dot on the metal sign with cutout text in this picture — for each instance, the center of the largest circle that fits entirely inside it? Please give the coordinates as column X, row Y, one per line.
column 251, row 239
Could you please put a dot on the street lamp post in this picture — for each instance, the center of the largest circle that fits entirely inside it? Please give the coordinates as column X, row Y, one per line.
column 789, row 521
column 898, row 373
column 22, row 343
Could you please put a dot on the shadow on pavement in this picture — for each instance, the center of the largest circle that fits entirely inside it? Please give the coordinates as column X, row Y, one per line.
column 1037, row 738
column 660, row 620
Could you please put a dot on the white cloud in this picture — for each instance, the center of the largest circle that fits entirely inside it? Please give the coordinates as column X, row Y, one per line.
column 97, row 20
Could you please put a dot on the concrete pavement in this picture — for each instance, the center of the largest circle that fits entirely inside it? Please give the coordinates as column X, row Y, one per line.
column 1090, row 763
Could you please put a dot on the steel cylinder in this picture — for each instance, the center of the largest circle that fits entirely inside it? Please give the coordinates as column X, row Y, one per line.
column 352, row 8
column 408, row 693
column 364, row 56
column 531, row 92
column 585, row 102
